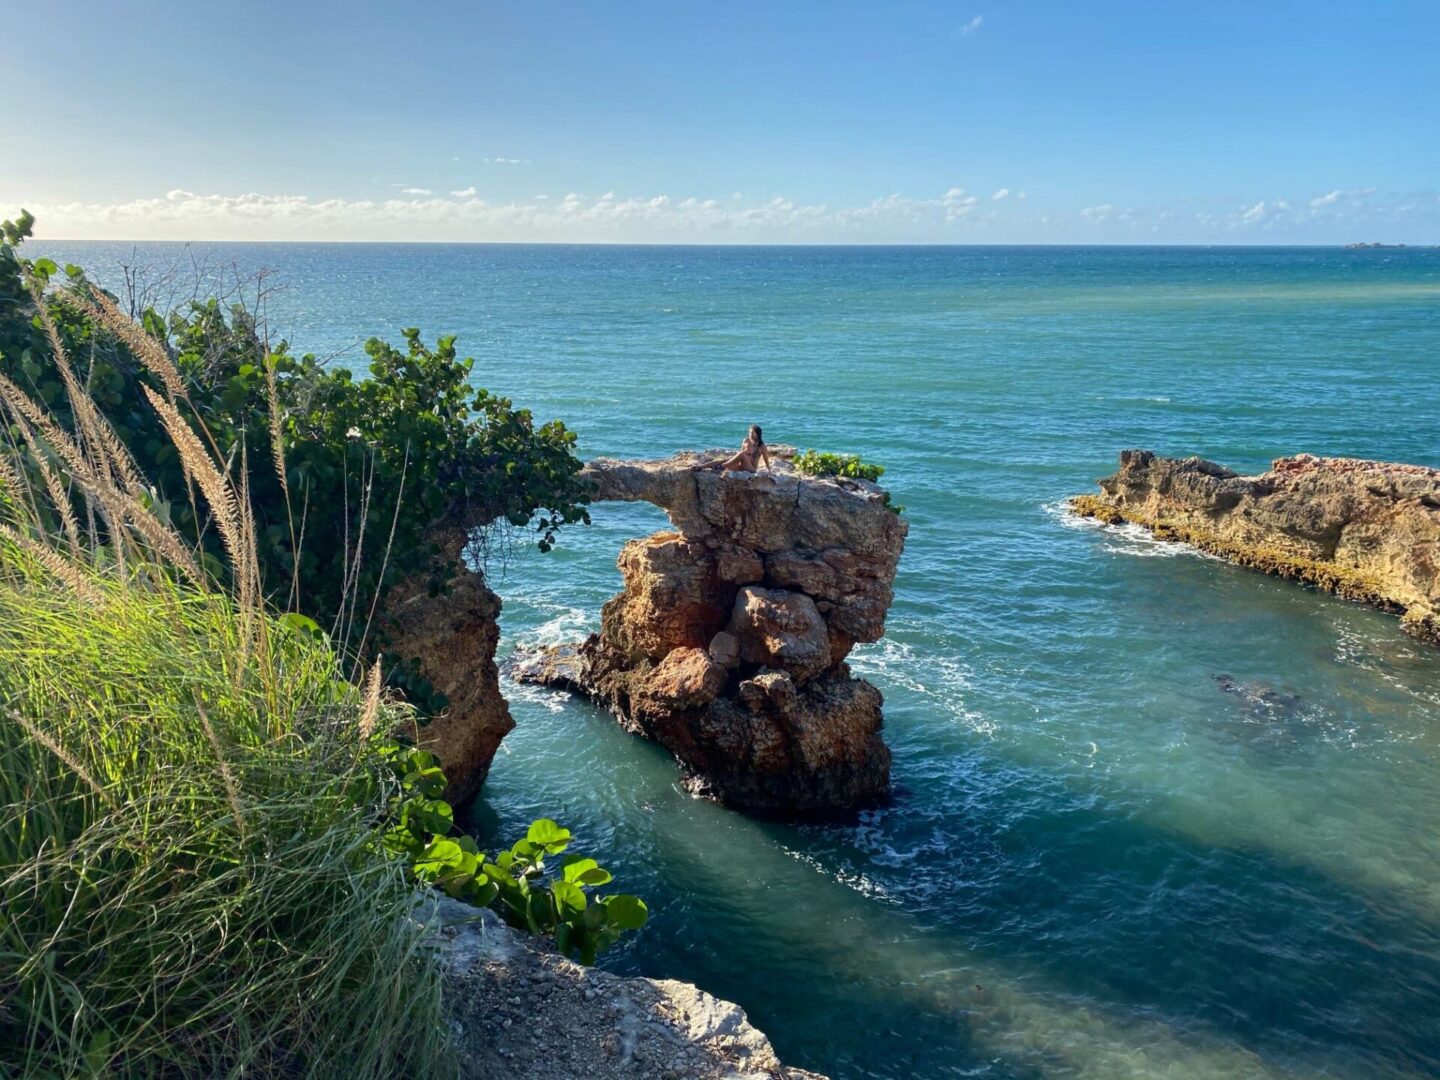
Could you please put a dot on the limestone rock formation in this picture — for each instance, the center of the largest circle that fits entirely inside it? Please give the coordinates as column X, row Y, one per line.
column 453, row 634
column 1366, row 530
column 727, row 644
column 517, row 1008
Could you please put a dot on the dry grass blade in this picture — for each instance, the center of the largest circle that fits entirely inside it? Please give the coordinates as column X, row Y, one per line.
column 277, row 455
column 55, row 564
column 232, row 789
column 117, row 506
column 370, row 709
column 213, row 485
column 150, row 352
column 45, row 739
column 56, row 490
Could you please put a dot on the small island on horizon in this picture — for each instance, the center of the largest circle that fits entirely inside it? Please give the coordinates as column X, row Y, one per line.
column 1362, row 246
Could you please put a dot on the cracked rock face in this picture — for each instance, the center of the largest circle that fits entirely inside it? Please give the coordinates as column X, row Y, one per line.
column 1366, row 530
column 727, row 643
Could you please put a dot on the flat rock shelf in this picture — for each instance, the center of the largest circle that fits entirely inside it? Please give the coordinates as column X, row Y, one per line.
column 1368, row 531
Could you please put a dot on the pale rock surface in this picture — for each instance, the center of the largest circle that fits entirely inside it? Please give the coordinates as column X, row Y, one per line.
column 518, row 1009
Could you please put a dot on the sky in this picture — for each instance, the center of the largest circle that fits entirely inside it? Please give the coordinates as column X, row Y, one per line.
column 975, row 121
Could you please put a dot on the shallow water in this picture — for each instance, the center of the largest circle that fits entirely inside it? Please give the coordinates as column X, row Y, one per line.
column 1155, row 816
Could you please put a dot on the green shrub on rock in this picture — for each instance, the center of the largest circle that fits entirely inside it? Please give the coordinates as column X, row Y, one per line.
column 850, row 466
column 816, row 463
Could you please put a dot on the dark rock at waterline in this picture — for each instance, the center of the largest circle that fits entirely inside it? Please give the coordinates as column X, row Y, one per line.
column 1260, row 697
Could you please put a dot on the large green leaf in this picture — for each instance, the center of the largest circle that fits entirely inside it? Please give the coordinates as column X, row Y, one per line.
column 625, row 911
column 549, row 835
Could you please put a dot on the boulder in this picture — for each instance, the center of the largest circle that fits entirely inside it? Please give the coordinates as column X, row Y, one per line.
column 781, row 629
column 1365, row 530
column 673, row 597
column 725, row 649
column 686, row 679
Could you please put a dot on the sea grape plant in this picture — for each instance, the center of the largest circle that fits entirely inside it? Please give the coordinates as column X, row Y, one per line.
column 851, row 466
column 819, row 463
column 551, row 900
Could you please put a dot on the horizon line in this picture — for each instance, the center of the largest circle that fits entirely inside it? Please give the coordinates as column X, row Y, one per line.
column 1347, row 245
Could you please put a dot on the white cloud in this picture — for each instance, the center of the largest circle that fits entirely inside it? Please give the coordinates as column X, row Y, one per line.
column 972, row 25
column 1326, row 200
column 415, row 191
column 463, row 215
column 505, row 161
column 951, row 216
column 1003, row 193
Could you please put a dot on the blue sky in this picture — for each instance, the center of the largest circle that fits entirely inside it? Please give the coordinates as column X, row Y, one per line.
column 966, row 122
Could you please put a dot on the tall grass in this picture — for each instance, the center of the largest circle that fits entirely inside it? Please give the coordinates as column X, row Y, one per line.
column 190, row 882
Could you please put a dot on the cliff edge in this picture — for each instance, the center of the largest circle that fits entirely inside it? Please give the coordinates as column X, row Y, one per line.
column 1365, row 530
column 519, row 1009
column 727, row 644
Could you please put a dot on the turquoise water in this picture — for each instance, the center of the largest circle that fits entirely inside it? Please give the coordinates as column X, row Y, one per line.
column 1099, row 862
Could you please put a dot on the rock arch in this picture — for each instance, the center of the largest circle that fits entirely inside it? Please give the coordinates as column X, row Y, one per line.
column 728, row 642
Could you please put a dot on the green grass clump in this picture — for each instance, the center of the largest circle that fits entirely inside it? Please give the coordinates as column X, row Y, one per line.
column 193, row 880
column 212, row 845
column 190, row 883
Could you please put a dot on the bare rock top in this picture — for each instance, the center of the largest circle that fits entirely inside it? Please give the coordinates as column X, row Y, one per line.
column 773, row 511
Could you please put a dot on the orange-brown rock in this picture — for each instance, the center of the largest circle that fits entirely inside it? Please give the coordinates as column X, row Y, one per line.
column 780, row 629
column 671, row 596
column 727, row 643
column 686, row 679
column 453, row 633
column 1366, row 530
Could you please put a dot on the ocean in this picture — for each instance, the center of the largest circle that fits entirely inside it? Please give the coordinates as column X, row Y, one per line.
column 1154, row 815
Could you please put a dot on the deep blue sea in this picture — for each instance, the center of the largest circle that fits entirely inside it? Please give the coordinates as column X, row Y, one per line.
column 1099, row 862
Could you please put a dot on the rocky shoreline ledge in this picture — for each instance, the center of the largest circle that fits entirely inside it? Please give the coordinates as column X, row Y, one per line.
column 1367, row 531
column 727, row 645
column 517, row 1008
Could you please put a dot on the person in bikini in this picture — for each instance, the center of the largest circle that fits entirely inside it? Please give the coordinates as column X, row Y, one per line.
column 752, row 453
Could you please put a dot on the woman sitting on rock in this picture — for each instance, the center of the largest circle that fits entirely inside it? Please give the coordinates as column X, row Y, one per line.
column 752, row 452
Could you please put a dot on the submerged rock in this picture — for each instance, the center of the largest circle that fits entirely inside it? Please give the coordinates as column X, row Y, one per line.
column 1365, row 530
column 517, row 1008
column 727, row 643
